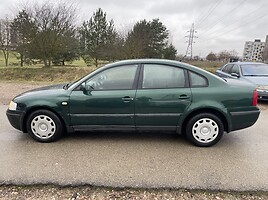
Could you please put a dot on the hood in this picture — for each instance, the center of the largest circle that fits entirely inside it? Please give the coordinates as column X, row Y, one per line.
column 257, row 80
column 48, row 89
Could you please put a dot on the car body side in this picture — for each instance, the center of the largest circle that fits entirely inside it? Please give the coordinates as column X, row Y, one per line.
column 228, row 100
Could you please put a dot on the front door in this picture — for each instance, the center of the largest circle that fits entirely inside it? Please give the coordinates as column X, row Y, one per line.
column 106, row 101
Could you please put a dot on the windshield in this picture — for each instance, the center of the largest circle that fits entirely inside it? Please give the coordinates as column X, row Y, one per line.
column 254, row 69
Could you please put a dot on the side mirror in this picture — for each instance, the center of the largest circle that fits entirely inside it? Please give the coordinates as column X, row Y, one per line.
column 86, row 88
column 235, row 75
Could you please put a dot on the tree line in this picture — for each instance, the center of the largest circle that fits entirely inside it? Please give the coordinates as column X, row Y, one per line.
column 224, row 56
column 49, row 33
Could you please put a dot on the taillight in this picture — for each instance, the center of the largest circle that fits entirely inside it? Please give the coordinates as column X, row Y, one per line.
column 255, row 98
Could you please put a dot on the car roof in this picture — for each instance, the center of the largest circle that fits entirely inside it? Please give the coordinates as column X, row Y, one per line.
column 147, row 60
column 156, row 61
column 247, row 63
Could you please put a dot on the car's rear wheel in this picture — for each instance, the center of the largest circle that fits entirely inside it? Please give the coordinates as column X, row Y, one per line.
column 44, row 126
column 204, row 129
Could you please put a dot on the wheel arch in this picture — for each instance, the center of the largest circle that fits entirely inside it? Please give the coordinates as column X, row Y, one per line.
column 33, row 109
column 213, row 111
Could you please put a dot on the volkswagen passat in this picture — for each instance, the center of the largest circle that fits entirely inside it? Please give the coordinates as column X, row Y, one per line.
column 139, row 95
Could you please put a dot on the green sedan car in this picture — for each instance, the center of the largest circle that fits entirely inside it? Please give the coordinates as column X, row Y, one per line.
column 139, row 95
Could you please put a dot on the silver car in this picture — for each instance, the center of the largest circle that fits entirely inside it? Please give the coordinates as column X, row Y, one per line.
column 253, row 72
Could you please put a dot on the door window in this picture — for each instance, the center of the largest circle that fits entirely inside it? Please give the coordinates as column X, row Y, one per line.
column 118, row 78
column 235, row 69
column 227, row 68
column 197, row 80
column 162, row 76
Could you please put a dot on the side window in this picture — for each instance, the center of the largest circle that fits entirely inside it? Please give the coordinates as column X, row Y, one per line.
column 227, row 69
column 118, row 78
column 197, row 80
column 235, row 69
column 162, row 76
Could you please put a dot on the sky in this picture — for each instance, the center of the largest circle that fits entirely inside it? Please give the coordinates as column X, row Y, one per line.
column 219, row 24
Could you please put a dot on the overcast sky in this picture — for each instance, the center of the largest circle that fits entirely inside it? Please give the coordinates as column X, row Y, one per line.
column 220, row 24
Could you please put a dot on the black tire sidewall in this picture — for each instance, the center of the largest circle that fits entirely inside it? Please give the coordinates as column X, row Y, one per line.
column 54, row 117
column 197, row 117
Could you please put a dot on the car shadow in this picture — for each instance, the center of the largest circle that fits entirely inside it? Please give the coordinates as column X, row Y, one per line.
column 127, row 136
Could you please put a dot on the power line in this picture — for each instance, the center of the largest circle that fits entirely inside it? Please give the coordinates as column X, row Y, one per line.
column 204, row 12
column 240, row 26
column 224, row 17
column 220, row 30
column 209, row 13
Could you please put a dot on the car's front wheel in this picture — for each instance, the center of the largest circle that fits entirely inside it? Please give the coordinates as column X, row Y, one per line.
column 204, row 129
column 44, row 126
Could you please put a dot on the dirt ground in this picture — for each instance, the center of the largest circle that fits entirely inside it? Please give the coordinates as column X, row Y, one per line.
column 97, row 193
column 8, row 90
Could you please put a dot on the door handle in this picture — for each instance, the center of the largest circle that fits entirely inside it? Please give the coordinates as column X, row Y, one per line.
column 127, row 99
column 184, row 96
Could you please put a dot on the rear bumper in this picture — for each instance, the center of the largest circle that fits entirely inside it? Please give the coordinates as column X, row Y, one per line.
column 244, row 119
column 15, row 118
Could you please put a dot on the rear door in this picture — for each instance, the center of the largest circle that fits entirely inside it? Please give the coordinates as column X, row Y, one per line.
column 162, row 96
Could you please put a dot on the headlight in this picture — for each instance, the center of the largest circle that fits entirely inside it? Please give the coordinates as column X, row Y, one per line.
column 262, row 88
column 12, row 105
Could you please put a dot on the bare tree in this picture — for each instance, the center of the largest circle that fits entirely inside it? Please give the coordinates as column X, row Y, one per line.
column 224, row 56
column 211, row 57
column 53, row 22
column 5, row 38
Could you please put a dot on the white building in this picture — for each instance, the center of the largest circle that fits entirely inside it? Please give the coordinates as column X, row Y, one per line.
column 253, row 51
column 265, row 51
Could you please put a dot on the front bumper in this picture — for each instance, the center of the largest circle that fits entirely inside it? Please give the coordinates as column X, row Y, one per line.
column 15, row 119
column 244, row 119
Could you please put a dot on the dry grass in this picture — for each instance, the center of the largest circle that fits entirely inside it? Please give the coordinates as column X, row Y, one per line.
column 69, row 73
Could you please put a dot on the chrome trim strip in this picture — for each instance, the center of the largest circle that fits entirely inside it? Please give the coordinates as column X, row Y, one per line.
column 159, row 115
column 102, row 115
column 128, row 115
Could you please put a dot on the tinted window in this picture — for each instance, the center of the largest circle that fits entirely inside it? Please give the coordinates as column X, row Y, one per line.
column 227, row 69
column 114, row 79
column 162, row 76
column 197, row 80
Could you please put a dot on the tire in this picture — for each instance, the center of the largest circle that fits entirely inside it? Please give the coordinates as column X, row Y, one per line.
column 44, row 126
column 204, row 130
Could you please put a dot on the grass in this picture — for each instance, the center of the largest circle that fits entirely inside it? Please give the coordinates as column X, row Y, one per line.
column 12, row 60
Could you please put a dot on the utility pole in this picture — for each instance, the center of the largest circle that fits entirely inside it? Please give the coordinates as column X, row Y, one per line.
column 191, row 36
